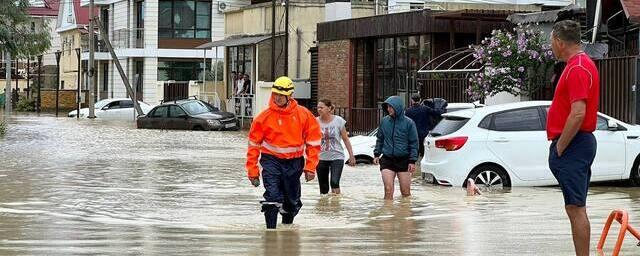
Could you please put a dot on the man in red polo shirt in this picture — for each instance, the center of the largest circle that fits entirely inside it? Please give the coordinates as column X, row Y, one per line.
column 570, row 125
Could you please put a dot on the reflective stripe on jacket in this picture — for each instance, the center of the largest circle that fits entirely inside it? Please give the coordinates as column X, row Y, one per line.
column 285, row 133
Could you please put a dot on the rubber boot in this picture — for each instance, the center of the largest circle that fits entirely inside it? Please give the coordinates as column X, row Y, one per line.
column 287, row 219
column 270, row 216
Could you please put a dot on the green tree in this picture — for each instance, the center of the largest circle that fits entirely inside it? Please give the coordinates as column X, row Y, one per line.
column 17, row 38
column 16, row 34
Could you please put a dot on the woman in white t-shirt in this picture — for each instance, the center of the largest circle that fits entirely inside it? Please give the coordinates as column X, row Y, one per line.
column 332, row 155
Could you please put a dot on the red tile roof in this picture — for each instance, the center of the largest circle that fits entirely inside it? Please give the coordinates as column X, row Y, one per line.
column 82, row 13
column 632, row 10
column 50, row 9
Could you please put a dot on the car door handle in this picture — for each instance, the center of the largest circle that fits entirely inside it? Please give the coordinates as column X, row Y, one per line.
column 632, row 137
column 501, row 140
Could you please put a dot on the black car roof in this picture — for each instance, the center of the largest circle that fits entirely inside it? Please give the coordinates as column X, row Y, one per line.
column 177, row 101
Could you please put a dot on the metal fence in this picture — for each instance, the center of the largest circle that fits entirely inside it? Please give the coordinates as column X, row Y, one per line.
column 618, row 94
column 618, row 97
column 451, row 89
column 360, row 120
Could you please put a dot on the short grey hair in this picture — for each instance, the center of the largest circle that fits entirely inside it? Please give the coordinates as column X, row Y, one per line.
column 567, row 31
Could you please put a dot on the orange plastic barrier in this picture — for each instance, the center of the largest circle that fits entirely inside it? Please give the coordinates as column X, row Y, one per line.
column 621, row 217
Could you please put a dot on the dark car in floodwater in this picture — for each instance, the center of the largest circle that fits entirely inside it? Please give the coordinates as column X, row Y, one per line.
column 188, row 114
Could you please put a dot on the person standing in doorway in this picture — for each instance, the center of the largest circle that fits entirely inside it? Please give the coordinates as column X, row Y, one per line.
column 422, row 116
column 571, row 122
column 240, row 85
column 332, row 154
column 285, row 139
column 234, row 79
column 248, row 89
column 248, row 93
column 397, row 143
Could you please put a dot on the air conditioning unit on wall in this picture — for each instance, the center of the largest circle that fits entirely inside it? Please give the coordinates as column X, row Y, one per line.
column 222, row 6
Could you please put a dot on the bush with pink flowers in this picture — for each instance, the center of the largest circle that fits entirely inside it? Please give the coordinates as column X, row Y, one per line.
column 519, row 63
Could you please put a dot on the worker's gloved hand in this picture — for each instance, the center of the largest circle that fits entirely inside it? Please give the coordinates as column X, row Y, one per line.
column 255, row 181
column 309, row 176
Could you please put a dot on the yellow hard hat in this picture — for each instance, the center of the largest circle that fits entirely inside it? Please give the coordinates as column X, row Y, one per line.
column 283, row 85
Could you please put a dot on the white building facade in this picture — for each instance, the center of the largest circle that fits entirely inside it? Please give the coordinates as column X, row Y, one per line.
column 156, row 40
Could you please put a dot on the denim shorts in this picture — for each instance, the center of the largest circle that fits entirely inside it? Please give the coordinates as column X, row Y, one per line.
column 573, row 168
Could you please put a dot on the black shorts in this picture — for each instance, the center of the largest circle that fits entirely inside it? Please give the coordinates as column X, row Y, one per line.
column 396, row 164
column 573, row 168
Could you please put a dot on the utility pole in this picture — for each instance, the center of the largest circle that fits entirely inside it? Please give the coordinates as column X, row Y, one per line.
column 57, row 80
column 91, row 61
column 8, row 95
column 286, row 39
column 79, row 76
column 273, row 40
column 123, row 75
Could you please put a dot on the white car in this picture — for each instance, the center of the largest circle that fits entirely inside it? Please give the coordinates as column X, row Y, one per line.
column 114, row 109
column 363, row 145
column 506, row 145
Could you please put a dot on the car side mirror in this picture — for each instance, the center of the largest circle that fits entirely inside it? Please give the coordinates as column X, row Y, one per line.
column 613, row 126
column 183, row 116
column 105, row 108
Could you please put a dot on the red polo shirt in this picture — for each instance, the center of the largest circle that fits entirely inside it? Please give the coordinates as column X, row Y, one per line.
column 579, row 81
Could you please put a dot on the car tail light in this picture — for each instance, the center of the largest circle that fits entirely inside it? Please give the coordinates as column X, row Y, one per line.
column 451, row 144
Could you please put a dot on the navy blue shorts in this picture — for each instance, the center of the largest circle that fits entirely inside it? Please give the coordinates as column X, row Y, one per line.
column 573, row 168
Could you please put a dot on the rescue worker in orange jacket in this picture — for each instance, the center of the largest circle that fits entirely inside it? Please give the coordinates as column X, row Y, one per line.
column 281, row 137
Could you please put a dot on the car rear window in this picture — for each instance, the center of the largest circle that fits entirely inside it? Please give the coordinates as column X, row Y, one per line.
column 448, row 125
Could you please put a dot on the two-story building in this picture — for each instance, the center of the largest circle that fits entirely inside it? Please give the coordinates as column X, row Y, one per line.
column 71, row 26
column 155, row 41
column 43, row 14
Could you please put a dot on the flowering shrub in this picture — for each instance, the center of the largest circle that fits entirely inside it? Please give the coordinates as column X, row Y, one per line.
column 518, row 63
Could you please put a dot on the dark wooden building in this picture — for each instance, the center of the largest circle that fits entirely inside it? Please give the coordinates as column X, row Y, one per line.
column 363, row 61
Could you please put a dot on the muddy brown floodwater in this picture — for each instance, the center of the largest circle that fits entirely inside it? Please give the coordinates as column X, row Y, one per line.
column 71, row 187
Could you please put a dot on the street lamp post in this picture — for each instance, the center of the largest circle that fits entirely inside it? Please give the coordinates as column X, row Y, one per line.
column 8, row 95
column 17, row 91
column 38, row 100
column 57, row 80
column 28, row 76
column 78, row 93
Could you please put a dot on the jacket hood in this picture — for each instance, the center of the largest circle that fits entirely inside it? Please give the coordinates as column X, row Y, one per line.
column 396, row 104
column 293, row 104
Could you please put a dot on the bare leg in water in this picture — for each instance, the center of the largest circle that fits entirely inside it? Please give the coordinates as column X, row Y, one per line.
column 405, row 183
column 472, row 188
column 388, row 178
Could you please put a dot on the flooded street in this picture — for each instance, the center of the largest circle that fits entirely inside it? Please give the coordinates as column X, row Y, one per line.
column 71, row 187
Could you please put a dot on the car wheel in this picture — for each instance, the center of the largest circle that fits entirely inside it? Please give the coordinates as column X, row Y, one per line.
column 363, row 160
column 634, row 178
column 490, row 176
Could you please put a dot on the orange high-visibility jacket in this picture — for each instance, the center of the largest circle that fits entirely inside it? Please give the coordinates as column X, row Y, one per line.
column 285, row 133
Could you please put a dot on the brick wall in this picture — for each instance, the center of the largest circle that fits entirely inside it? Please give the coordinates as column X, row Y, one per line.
column 67, row 100
column 333, row 72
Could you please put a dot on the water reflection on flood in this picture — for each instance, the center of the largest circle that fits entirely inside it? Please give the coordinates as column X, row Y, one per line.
column 90, row 187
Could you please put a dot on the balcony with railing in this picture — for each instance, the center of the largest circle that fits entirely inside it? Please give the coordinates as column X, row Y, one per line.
column 120, row 39
column 98, row 43
column 128, row 38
